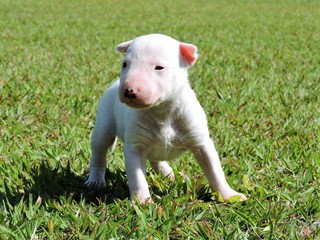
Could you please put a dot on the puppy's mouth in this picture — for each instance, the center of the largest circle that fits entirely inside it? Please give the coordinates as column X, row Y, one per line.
column 135, row 105
column 139, row 99
column 136, row 102
column 140, row 105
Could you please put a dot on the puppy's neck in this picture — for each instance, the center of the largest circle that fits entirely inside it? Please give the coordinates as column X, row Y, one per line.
column 169, row 109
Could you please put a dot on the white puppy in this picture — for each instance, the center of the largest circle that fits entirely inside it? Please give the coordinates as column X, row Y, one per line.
column 153, row 110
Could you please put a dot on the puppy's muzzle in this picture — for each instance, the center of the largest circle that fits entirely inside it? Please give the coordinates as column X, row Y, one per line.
column 129, row 93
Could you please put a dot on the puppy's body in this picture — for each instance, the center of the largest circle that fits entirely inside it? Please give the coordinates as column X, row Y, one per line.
column 153, row 110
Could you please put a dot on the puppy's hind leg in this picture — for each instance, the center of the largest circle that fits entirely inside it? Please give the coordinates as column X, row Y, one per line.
column 163, row 168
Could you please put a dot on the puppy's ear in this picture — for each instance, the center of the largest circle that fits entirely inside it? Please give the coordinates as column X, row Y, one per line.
column 122, row 47
column 189, row 53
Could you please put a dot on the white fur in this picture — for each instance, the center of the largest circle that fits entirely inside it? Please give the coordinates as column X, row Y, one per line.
column 157, row 116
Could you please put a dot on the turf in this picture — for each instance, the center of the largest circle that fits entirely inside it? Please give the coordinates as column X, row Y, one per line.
column 257, row 78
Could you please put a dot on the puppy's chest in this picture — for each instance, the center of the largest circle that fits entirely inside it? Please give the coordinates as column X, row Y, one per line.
column 169, row 136
column 166, row 143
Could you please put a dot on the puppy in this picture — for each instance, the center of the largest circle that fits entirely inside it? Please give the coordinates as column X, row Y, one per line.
column 156, row 114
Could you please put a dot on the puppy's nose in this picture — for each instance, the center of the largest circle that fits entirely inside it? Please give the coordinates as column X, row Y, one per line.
column 129, row 93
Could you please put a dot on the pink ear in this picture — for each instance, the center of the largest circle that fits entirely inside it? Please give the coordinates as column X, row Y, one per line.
column 122, row 47
column 189, row 53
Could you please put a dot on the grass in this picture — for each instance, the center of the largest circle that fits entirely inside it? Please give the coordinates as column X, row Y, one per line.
column 257, row 77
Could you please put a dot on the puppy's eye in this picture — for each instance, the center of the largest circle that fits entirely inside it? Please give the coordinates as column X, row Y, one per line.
column 124, row 65
column 158, row 68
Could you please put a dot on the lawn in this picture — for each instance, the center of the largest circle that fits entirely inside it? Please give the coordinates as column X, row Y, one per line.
column 257, row 77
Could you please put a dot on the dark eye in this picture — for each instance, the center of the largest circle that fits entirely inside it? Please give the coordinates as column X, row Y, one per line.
column 158, row 68
column 124, row 65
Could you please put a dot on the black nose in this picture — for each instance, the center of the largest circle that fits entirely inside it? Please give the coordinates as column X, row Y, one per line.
column 129, row 93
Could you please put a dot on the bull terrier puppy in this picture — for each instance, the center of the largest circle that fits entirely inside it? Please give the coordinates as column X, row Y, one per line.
column 156, row 114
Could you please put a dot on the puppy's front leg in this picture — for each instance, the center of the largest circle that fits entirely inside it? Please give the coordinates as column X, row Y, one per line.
column 136, row 172
column 101, row 141
column 208, row 160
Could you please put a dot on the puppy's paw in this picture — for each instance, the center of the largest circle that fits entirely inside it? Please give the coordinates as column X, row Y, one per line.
column 141, row 196
column 241, row 197
column 136, row 201
column 234, row 196
column 95, row 182
column 171, row 176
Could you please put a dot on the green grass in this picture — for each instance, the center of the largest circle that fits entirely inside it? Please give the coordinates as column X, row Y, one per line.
column 257, row 78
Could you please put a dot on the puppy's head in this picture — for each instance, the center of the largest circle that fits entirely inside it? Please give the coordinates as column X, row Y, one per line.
column 154, row 69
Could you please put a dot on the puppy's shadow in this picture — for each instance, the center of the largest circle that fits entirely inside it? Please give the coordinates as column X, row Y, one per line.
column 52, row 183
